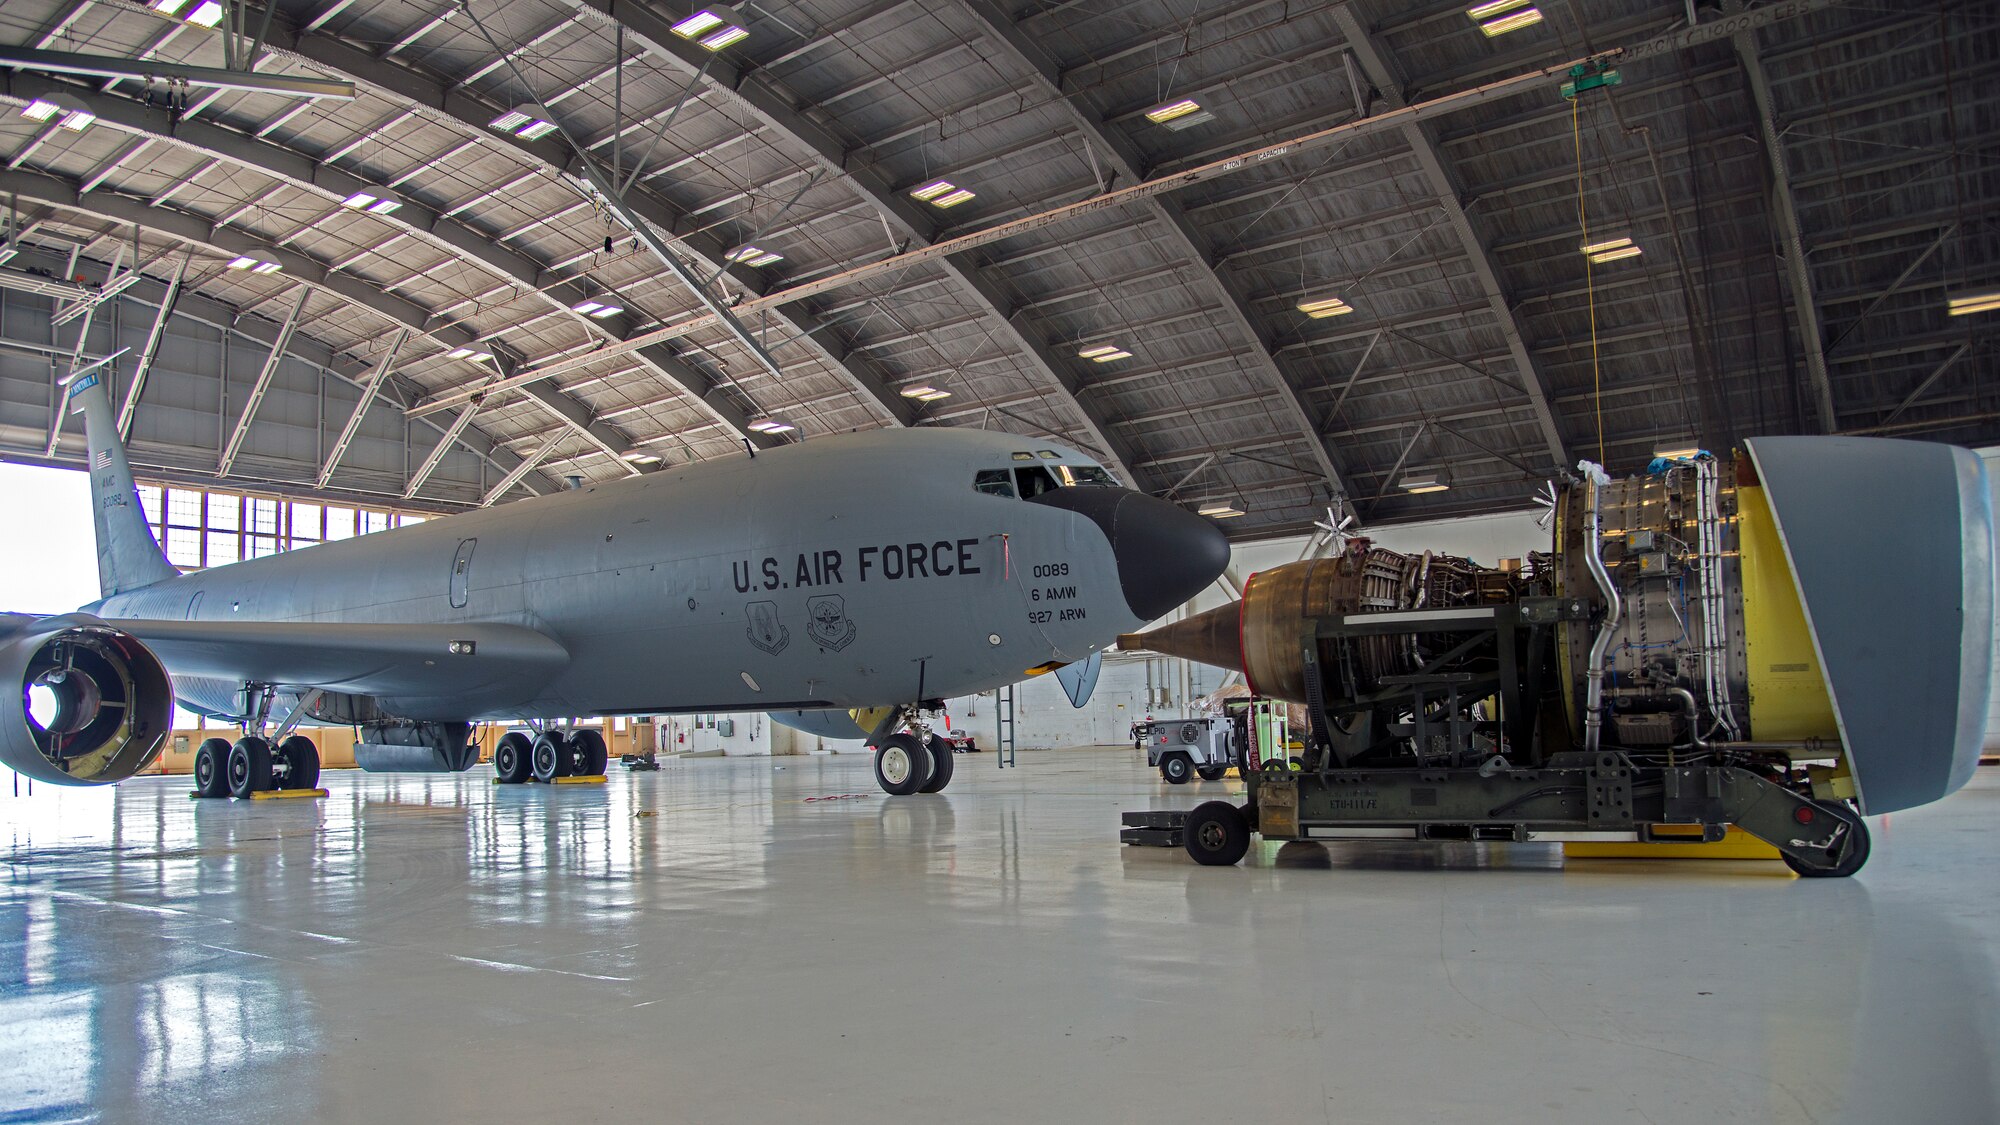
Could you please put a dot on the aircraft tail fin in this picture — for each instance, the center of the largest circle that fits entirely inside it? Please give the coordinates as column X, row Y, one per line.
column 128, row 557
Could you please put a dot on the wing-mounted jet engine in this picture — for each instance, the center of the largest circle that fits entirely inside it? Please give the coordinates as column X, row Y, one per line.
column 87, row 705
column 1783, row 640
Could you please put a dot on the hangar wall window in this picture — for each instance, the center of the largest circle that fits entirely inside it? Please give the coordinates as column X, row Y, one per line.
column 201, row 528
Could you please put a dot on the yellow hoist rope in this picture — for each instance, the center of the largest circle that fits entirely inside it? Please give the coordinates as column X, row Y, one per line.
column 1589, row 283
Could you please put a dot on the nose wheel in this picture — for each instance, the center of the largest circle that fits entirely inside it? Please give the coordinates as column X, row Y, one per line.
column 902, row 764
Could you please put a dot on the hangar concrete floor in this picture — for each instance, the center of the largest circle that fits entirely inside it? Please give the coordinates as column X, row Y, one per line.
column 708, row 944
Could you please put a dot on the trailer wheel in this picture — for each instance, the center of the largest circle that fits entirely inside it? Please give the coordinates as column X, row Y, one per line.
column 1176, row 768
column 1211, row 773
column 1216, row 834
column 1849, row 854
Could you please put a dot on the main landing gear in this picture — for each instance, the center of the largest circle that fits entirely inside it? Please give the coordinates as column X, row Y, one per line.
column 912, row 760
column 524, row 755
column 256, row 764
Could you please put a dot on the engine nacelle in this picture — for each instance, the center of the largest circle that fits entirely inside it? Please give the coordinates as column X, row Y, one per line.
column 88, row 705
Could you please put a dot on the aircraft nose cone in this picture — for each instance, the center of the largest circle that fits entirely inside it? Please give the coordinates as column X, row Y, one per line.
column 1166, row 554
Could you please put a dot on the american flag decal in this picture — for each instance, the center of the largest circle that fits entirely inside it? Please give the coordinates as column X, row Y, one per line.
column 103, row 459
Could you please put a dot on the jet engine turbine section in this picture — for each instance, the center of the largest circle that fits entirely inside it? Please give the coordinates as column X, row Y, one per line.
column 90, row 706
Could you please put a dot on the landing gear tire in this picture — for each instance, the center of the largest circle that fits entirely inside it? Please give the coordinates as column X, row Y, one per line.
column 1211, row 773
column 1216, row 834
column 513, row 758
column 1848, row 854
column 902, row 765
column 211, row 768
column 301, row 760
column 591, row 755
column 550, row 756
column 941, row 766
column 1176, row 768
column 249, row 766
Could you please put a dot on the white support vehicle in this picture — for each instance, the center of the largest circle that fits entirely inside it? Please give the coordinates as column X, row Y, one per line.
column 1184, row 749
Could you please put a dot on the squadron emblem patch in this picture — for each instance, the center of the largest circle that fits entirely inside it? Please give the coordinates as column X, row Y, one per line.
column 828, row 625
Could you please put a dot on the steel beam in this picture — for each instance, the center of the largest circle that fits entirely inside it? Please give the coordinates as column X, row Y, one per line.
column 104, row 66
column 1125, row 159
column 526, row 466
column 579, row 418
column 438, row 451
column 263, row 383
column 230, row 321
column 778, row 111
column 1798, row 274
column 1383, row 73
column 370, row 389
column 302, row 171
column 152, row 345
column 445, row 102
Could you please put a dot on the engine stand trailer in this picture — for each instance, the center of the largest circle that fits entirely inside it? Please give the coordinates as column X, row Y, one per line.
column 1572, row 798
column 1415, row 757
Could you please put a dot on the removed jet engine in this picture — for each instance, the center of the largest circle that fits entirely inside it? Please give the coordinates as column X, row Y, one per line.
column 1782, row 640
column 91, row 705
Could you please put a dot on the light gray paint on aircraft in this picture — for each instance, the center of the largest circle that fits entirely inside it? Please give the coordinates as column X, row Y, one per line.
column 859, row 570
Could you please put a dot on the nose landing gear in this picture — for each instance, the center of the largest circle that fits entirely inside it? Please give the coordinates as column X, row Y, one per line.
column 909, row 758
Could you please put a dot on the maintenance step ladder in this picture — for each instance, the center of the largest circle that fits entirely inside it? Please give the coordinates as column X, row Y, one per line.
column 1003, row 718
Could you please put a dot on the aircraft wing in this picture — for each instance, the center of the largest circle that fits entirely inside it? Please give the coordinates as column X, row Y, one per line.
column 368, row 659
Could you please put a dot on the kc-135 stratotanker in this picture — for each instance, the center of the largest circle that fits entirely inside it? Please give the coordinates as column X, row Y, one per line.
column 846, row 586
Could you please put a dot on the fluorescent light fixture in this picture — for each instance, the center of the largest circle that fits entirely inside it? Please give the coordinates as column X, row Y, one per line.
column 714, row 26
column 597, row 310
column 942, row 193
column 1612, row 250
column 371, row 202
column 924, row 392
column 1104, row 353
column 752, row 256
column 769, row 425
column 255, row 263
column 207, row 14
column 75, row 118
column 765, row 259
column 744, row 253
column 1965, row 304
column 1502, row 16
column 1219, row 510
column 473, row 354
column 523, row 121
column 1323, row 307
column 1177, row 115
column 696, row 24
column 1426, row 481
column 1677, row 452
column 168, row 7
column 1161, row 114
column 641, row 457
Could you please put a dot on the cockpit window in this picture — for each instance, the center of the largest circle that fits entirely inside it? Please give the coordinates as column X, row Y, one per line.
column 1024, row 456
column 1083, row 474
column 1049, row 455
column 994, row 482
column 1034, row 481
